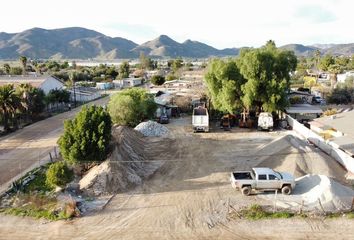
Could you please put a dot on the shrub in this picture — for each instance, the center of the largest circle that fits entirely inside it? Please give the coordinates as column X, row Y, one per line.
column 58, row 174
column 157, row 80
column 131, row 106
column 295, row 100
column 87, row 137
column 170, row 77
column 330, row 112
column 340, row 96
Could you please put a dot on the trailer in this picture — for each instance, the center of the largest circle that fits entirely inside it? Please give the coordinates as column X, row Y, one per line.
column 200, row 119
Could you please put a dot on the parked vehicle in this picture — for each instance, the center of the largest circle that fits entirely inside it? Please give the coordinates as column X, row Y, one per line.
column 164, row 119
column 228, row 121
column 263, row 179
column 265, row 121
column 200, row 119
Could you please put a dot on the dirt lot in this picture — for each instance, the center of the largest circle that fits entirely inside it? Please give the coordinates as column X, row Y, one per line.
column 189, row 196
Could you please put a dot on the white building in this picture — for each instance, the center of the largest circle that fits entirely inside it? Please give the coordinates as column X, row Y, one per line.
column 84, row 94
column 127, row 82
column 44, row 82
column 342, row 77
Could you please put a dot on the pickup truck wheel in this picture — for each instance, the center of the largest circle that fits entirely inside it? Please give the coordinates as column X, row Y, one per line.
column 246, row 190
column 286, row 190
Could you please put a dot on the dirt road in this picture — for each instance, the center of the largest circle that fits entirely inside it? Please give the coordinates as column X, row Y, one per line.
column 189, row 197
column 27, row 146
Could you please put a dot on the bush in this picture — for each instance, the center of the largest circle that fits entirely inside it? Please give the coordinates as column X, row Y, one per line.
column 170, row 77
column 330, row 112
column 87, row 137
column 131, row 106
column 340, row 96
column 58, row 174
column 157, row 80
column 295, row 100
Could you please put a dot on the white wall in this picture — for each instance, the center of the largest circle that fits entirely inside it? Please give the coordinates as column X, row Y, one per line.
column 343, row 158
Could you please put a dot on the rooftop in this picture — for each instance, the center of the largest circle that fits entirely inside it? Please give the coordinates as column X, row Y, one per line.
column 34, row 80
column 303, row 108
column 343, row 122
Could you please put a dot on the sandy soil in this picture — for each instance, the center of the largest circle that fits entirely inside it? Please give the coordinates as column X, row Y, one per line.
column 189, row 197
column 27, row 146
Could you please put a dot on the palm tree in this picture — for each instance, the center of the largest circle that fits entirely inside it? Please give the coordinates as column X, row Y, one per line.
column 7, row 68
column 23, row 91
column 23, row 61
column 334, row 70
column 9, row 103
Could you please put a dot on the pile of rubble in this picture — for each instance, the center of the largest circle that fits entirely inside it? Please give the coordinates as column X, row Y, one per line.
column 152, row 129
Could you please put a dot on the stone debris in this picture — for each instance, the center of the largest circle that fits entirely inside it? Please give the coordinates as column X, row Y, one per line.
column 152, row 129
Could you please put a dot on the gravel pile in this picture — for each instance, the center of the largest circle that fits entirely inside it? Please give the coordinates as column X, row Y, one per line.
column 332, row 195
column 152, row 129
column 316, row 193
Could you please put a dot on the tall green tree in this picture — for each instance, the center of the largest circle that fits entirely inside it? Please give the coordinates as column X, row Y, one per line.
column 267, row 72
column 87, row 137
column 157, row 80
column 224, row 82
column 7, row 68
column 32, row 100
column 131, row 106
column 9, row 104
column 23, row 61
column 334, row 66
column 124, row 69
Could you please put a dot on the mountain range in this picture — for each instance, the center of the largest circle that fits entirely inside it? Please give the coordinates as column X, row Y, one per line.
column 81, row 43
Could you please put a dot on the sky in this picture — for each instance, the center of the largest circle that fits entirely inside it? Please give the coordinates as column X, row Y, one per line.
column 219, row 23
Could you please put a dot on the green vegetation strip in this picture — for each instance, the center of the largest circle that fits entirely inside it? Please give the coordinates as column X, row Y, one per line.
column 257, row 212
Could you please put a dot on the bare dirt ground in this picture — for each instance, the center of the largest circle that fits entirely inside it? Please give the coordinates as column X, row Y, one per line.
column 190, row 195
column 27, row 146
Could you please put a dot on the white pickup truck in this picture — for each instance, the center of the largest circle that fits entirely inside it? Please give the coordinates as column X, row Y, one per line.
column 263, row 179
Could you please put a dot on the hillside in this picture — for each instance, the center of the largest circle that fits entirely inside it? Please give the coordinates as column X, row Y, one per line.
column 82, row 43
column 165, row 46
column 63, row 43
column 300, row 50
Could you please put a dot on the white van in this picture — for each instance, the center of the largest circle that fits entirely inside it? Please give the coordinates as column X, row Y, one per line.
column 265, row 121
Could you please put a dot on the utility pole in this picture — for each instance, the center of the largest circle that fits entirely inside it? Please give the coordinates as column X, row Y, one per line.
column 74, row 93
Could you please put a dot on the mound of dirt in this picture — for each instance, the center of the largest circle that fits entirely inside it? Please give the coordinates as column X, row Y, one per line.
column 133, row 159
column 152, row 129
column 296, row 157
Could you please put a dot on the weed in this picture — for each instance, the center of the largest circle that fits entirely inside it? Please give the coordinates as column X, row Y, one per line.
column 256, row 212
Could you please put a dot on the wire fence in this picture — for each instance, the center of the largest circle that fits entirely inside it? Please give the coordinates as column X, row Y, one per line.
column 21, row 170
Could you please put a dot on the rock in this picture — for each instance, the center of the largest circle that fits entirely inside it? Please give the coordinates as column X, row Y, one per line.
column 152, row 129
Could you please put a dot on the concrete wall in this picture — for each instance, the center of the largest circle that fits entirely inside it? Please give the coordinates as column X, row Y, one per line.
column 343, row 158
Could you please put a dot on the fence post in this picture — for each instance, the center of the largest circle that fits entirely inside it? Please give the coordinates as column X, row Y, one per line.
column 51, row 158
column 55, row 152
column 319, row 201
column 275, row 201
